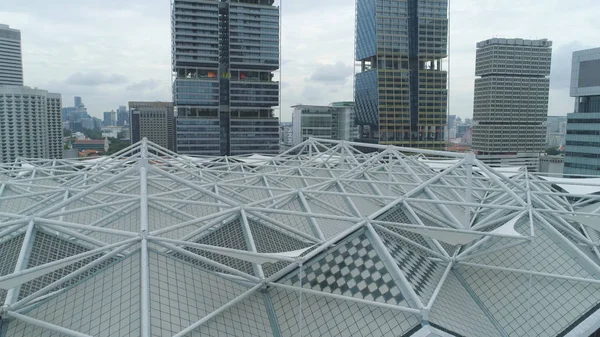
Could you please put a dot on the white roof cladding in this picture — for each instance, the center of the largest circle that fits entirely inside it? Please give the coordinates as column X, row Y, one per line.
column 323, row 240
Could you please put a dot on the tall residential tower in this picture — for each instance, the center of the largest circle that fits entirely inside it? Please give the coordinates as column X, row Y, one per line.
column 401, row 87
column 11, row 62
column 511, row 101
column 224, row 56
column 583, row 126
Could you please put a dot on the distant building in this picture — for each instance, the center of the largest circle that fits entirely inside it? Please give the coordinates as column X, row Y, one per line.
column 110, row 118
column 122, row 116
column 155, row 121
column 552, row 165
column 11, row 61
column 87, row 123
column 76, row 112
column 286, row 134
column 511, row 101
column 224, row 55
column 556, row 131
column 335, row 121
column 30, row 124
column 400, row 89
column 583, row 125
column 78, row 102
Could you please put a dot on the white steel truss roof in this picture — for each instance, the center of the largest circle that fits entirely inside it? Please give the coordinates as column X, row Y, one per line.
column 330, row 238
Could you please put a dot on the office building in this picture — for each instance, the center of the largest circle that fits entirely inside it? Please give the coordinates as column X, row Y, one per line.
column 511, row 101
column 154, row 121
column 556, row 131
column 74, row 113
column 335, row 121
column 30, row 124
column 400, row 88
column 78, row 102
column 224, row 56
column 162, row 244
column 583, row 125
column 122, row 116
column 107, row 119
column 11, row 61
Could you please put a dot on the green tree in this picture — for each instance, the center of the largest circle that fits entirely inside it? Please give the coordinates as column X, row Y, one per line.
column 552, row 151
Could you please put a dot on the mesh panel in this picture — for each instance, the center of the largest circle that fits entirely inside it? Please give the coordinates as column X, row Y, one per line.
column 544, row 309
column 128, row 220
column 300, row 223
column 542, row 254
column 9, row 254
column 398, row 215
column 229, row 235
column 25, row 329
column 270, row 240
column 105, row 305
column 159, row 218
column 48, row 248
column 322, row 316
column 181, row 294
column 248, row 318
column 455, row 309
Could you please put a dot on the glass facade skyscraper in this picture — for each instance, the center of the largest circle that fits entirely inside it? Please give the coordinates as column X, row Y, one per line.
column 583, row 126
column 11, row 62
column 224, row 56
column 401, row 90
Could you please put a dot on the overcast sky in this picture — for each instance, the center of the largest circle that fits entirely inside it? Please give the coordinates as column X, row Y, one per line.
column 114, row 51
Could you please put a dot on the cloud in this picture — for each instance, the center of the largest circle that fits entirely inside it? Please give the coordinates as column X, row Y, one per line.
column 332, row 73
column 95, row 79
column 144, row 85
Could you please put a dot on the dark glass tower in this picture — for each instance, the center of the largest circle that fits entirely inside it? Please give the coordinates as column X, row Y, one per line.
column 224, row 56
column 401, row 87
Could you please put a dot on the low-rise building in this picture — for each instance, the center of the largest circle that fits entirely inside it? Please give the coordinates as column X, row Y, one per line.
column 552, row 165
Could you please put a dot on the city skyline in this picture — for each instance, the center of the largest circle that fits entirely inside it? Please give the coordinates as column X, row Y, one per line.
column 109, row 66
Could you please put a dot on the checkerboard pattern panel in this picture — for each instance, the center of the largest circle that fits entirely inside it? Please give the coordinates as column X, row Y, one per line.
column 352, row 269
column 421, row 272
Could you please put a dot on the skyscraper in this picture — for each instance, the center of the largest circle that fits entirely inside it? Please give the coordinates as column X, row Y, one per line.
column 511, row 101
column 583, row 126
column 155, row 121
column 224, row 56
column 401, row 87
column 11, row 62
column 30, row 123
column 78, row 102
column 122, row 115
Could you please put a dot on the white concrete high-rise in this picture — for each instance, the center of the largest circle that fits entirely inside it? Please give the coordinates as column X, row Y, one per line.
column 30, row 123
column 511, row 101
column 11, row 62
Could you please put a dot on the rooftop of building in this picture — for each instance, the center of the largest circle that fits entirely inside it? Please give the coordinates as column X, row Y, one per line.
column 515, row 42
column 324, row 239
